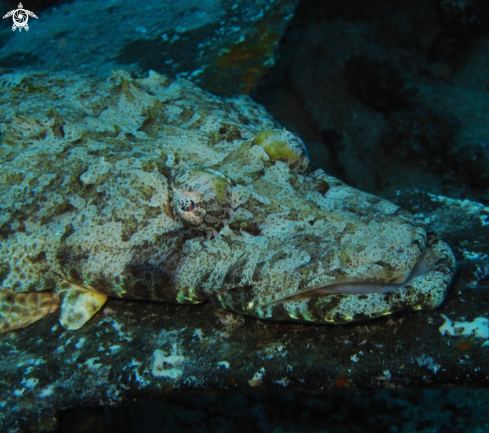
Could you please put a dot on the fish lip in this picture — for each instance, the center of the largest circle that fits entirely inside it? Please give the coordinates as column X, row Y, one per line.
column 425, row 292
column 418, row 270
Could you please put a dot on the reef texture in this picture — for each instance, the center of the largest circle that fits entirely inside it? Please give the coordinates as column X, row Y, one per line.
column 224, row 45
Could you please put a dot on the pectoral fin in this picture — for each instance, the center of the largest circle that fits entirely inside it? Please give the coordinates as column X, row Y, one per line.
column 21, row 309
column 78, row 305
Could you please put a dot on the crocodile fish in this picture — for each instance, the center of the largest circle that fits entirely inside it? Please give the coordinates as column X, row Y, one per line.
column 157, row 190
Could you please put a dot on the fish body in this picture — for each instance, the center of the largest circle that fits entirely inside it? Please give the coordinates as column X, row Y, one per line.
column 155, row 189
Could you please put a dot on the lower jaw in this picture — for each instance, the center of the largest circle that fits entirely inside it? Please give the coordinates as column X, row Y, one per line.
column 426, row 290
column 424, row 265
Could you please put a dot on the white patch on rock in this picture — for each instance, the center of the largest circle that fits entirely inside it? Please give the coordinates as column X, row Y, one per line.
column 428, row 362
column 479, row 327
column 92, row 365
column 80, row 343
column 257, row 378
column 166, row 366
column 46, row 392
column 284, row 382
column 198, row 333
column 31, row 383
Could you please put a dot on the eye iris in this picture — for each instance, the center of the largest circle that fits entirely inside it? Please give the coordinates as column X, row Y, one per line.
column 186, row 205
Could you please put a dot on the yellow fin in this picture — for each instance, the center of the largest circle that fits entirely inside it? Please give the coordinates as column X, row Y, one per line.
column 21, row 309
column 78, row 305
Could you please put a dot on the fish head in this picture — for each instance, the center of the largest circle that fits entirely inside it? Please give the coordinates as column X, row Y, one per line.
column 286, row 241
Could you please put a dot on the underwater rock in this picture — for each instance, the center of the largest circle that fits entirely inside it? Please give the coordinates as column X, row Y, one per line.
column 462, row 22
column 233, row 41
column 378, row 84
column 422, row 136
column 111, row 360
column 404, row 122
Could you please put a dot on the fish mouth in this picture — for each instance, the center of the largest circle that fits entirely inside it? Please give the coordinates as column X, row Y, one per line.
column 425, row 264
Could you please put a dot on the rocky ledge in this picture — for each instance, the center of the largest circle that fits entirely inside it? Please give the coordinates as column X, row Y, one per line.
column 147, row 351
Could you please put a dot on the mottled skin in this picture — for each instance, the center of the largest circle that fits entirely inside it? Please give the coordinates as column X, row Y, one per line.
column 152, row 189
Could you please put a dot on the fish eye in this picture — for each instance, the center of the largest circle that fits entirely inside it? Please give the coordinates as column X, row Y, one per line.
column 186, row 204
column 201, row 198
